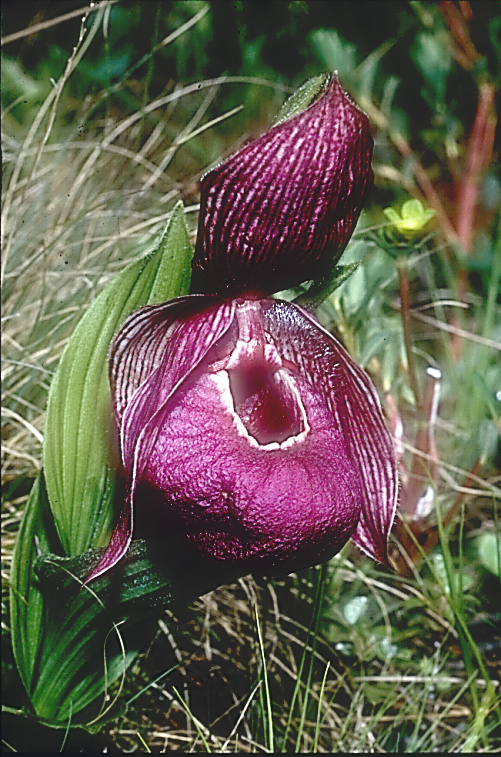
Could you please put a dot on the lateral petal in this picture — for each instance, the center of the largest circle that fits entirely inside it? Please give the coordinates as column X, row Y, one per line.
column 152, row 354
column 352, row 398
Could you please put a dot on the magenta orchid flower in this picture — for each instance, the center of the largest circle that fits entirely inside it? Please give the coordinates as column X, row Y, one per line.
column 283, row 207
column 264, row 440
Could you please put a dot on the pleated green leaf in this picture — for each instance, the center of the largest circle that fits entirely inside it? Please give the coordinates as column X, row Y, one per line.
column 66, row 640
column 26, row 601
column 79, row 438
column 72, row 641
column 59, row 633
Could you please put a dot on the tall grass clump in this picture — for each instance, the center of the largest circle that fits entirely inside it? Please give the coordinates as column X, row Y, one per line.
column 98, row 147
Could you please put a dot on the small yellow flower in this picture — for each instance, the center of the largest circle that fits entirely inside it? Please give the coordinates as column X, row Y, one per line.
column 411, row 221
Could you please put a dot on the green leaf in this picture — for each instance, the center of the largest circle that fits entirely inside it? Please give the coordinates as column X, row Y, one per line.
column 79, row 437
column 390, row 87
column 58, row 633
column 92, row 634
column 366, row 71
column 434, row 60
column 373, row 346
column 325, row 286
column 66, row 641
column 489, row 552
column 71, row 642
column 336, row 54
column 302, row 98
column 26, row 601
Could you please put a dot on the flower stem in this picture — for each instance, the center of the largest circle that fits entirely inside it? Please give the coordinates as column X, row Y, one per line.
column 406, row 321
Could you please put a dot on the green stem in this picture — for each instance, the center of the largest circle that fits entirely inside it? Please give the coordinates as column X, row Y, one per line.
column 406, row 322
column 317, row 611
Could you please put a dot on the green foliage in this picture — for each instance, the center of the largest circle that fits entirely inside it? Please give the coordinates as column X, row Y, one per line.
column 489, row 552
column 60, row 663
column 338, row 54
column 78, row 444
column 433, row 58
column 70, row 641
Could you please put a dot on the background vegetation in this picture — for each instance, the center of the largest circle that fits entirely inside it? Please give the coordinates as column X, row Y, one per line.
column 111, row 116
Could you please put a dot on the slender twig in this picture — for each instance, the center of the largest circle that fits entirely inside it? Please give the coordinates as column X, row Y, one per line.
column 480, row 143
column 464, row 50
column 478, row 156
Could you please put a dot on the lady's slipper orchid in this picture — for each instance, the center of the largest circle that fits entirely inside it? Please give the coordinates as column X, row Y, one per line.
column 263, row 439
column 281, row 210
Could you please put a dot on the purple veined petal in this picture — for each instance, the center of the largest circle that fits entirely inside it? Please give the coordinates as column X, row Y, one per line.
column 154, row 351
column 166, row 341
column 353, row 400
column 287, row 202
column 140, row 345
